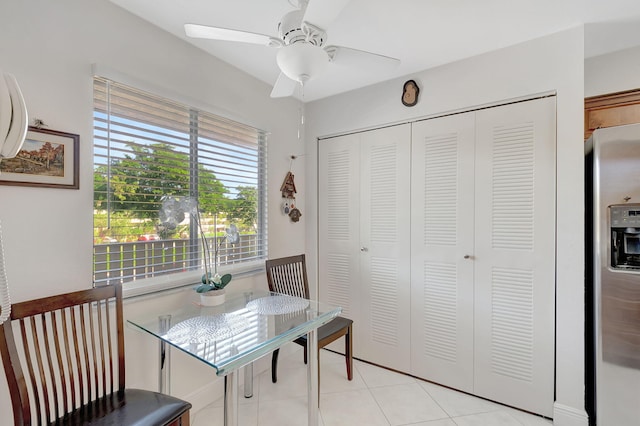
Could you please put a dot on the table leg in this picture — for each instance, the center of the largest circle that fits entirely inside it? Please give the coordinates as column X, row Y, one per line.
column 164, row 377
column 231, row 399
column 312, row 377
column 248, row 380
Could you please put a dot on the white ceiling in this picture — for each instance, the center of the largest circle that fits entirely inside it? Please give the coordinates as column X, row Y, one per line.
column 421, row 33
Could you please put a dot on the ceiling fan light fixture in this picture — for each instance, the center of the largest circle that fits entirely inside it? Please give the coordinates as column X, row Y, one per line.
column 302, row 54
column 302, row 61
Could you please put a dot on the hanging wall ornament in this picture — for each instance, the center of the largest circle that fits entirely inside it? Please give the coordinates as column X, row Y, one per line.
column 288, row 189
column 295, row 215
column 285, row 206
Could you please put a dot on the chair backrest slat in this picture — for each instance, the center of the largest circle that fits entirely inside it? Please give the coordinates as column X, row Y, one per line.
column 49, row 334
column 29, row 362
column 79, row 375
column 69, row 366
column 37, row 342
column 94, row 356
column 65, row 354
column 102, row 352
column 110, row 356
column 119, row 321
column 60, row 364
column 87, row 363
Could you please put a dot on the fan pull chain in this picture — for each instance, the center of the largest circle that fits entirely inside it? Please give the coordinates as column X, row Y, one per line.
column 301, row 123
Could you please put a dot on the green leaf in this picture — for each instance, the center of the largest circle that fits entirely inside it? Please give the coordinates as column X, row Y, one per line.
column 203, row 288
column 224, row 280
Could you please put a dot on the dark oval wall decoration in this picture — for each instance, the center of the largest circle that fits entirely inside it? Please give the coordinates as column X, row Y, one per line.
column 410, row 92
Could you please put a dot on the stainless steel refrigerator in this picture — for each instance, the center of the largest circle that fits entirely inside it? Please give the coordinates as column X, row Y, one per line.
column 613, row 275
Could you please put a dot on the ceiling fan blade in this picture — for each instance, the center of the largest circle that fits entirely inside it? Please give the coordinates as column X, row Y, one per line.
column 321, row 13
column 284, row 87
column 216, row 33
column 359, row 58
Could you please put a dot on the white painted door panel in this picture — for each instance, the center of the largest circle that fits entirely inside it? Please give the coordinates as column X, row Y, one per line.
column 515, row 254
column 442, row 236
column 339, row 218
column 384, row 246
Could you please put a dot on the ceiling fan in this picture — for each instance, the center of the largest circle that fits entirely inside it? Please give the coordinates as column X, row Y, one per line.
column 302, row 53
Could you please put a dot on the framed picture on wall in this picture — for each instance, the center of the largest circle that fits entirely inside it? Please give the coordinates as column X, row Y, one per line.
column 48, row 158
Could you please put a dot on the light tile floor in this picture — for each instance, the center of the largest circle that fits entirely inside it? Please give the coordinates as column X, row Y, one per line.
column 375, row 396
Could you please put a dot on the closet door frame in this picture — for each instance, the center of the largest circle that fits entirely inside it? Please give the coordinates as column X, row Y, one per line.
column 533, row 392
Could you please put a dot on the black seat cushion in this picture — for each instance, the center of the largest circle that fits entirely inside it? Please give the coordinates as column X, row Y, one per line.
column 333, row 326
column 133, row 407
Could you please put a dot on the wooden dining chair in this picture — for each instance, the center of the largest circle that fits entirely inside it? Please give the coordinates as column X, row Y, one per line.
column 288, row 275
column 64, row 361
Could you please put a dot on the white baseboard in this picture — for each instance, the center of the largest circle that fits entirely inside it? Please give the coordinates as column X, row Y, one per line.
column 564, row 415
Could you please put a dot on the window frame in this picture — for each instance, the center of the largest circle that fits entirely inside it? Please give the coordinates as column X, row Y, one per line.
column 164, row 280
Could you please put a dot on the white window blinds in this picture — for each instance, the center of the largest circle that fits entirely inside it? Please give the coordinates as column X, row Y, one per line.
column 147, row 148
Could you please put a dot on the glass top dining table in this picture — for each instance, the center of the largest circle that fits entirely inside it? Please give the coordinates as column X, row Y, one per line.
column 234, row 334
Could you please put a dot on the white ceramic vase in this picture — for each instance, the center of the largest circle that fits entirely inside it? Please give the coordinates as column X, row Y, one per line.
column 212, row 298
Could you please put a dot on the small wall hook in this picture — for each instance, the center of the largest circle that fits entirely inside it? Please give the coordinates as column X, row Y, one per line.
column 38, row 123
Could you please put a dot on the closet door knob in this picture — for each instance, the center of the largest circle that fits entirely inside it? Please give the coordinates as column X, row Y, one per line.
column 466, row 256
column 364, row 249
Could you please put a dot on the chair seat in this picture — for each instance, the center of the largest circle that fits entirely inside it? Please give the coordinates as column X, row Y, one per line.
column 330, row 328
column 134, row 407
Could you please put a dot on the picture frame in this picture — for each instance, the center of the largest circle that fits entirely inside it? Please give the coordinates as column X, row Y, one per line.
column 48, row 158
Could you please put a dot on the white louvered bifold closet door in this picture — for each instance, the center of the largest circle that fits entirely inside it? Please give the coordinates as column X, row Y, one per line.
column 442, row 235
column 339, row 221
column 514, row 255
column 385, row 203
column 364, row 234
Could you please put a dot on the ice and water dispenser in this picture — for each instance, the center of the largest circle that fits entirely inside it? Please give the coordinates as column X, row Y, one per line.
column 624, row 230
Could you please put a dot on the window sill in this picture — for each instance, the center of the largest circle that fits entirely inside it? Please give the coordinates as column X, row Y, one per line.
column 192, row 278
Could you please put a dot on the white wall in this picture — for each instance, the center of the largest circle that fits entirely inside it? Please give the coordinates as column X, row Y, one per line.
column 613, row 72
column 551, row 63
column 50, row 47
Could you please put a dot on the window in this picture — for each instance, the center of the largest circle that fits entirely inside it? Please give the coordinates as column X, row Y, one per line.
column 147, row 148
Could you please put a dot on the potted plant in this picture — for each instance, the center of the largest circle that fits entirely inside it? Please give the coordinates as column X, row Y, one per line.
column 212, row 288
column 172, row 212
